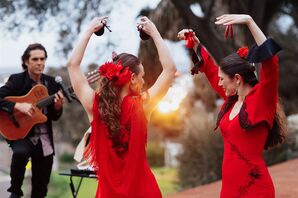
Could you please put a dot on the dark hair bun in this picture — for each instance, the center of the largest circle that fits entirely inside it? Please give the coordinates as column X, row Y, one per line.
column 115, row 56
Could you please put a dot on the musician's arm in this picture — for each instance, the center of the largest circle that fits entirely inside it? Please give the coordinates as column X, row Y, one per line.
column 54, row 112
column 7, row 90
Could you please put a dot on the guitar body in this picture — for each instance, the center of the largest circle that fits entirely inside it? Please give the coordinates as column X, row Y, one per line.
column 12, row 132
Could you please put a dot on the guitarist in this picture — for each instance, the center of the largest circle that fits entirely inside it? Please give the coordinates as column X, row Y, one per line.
column 38, row 144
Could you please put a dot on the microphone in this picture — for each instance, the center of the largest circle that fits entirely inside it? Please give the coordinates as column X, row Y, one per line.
column 65, row 92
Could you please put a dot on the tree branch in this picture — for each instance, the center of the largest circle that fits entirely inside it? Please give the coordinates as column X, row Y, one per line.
column 203, row 29
column 209, row 12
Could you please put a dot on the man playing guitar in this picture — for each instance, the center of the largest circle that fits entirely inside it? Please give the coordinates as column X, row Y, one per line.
column 38, row 144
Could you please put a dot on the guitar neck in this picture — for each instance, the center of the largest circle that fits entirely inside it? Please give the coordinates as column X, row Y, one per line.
column 45, row 102
column 50, row 99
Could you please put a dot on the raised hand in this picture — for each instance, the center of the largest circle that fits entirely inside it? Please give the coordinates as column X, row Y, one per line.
column 97, row 24
column 147, row 26
column 230, row 19
column 183, row 34
column 58, row 101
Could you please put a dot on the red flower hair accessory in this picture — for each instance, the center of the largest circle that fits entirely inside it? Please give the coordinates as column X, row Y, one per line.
column 111, row 70
column 243, row 52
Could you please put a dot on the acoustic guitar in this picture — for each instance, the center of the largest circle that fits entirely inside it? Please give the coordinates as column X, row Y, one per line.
column 17, row 125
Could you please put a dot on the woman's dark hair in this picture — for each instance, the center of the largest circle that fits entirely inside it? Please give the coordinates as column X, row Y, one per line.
column 231, row 65
column 109, row 100
column 234, row 64
column 279, row 131
column 26, row 54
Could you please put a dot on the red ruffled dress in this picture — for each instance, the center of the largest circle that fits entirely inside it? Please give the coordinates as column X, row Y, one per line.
column 121, row 173
column 244, row 172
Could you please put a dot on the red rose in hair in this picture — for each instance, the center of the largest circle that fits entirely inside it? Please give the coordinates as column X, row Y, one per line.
column 124, row 77
column 103, row 69
column 111, row 70
column 243, row 52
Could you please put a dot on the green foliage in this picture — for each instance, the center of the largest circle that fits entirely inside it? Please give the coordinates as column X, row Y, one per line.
column 167, row 179
column 58, row 186
column 66, row 158
column 155, row 154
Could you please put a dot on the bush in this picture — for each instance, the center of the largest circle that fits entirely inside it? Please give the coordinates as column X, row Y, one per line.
column 201, row 159
column 155, row 154
column 66, row 158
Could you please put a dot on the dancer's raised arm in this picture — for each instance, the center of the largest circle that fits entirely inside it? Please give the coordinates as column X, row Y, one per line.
column 78, row 80
column 264, row 52
column 165, row 79
column 208, row 66
column 230, row 19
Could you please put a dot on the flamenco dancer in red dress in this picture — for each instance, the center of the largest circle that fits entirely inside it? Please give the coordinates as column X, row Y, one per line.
column 250, row 119
column 119, row 112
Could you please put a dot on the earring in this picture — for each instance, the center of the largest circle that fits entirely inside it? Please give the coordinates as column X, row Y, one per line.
column 237, row 87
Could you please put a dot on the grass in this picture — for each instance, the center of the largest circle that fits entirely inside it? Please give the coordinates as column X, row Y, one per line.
column 167, row 180
column 59, row 185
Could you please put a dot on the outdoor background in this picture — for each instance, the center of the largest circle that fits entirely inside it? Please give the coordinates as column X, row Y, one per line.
column 183, row 150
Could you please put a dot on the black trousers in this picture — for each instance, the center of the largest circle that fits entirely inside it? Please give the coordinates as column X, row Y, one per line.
column 41, row 168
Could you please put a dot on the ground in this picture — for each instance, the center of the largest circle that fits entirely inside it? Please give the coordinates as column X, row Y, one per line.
column 284, row 175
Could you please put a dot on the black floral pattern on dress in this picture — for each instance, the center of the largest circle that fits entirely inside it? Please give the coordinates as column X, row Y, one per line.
column 122, row 142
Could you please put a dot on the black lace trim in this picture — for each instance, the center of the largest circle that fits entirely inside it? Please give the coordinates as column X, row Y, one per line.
column 245, row 123
column 197, row 60
column 226, row 106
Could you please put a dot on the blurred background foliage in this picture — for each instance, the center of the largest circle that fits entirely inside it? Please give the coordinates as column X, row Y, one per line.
column 192, row 124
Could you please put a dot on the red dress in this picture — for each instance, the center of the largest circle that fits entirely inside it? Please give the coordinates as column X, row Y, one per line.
column 244, row 172
column 126, row 174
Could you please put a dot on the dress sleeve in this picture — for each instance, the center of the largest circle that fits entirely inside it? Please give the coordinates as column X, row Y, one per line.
column 262, row 102
column 211, row 71
column 268, row 85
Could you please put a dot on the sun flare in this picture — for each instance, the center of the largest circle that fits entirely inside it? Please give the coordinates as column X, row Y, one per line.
column 167, row 106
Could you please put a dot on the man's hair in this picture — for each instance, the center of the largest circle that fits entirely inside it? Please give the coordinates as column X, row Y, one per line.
column 26, row 54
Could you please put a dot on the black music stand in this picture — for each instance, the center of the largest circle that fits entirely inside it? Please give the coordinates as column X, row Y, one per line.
column 78, row 173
